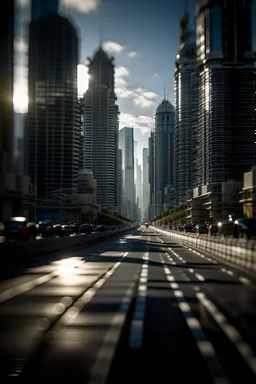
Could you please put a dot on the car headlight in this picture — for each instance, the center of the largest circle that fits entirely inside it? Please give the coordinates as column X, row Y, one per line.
column 219, row 224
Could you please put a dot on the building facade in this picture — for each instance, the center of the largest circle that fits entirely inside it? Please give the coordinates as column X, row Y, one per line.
column 186, row 96
column 52, row 132
column 101, row 129
column 145, row 183
column 163, row 152
column 226, row 57
column 126, row 144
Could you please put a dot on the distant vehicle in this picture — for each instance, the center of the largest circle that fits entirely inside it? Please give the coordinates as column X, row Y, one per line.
column 12, row 228
column 245, row 228
column 45, row 228
column 85, row 228
column 146, row 225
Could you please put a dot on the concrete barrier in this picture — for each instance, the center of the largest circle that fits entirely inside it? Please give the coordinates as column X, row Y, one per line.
column 18, row 251
column 239, row 252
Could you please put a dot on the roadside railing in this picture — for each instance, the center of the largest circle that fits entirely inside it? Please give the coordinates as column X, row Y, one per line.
column 240, row 252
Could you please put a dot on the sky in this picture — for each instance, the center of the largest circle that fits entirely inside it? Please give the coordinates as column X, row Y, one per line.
column 142, row 36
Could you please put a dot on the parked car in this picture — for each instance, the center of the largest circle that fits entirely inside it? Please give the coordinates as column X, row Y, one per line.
column 245, row 228
column 66, row 230
column 226, row 226
column 45, row 228
column 86, row 228
column 32, row 229
column 101, row 228
column 201, row 228
column 188, row 227
column 57, row 230
column 12, row 228
column 75, row 227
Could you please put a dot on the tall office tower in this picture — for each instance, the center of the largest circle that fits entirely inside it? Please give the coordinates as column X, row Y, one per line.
column 164, row 152
column 40, row 8
column 186, row 88
column 145, row 183
column 151, row 174
column 126, row 144
column 120, row 189
column 101, row 128
column 225, row 34
column 52, row 129
column 138, row 183
column 81, row 120
column 6, row 97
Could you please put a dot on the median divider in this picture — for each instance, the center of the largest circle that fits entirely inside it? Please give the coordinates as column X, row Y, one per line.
column 22, row 250
column 239, row 252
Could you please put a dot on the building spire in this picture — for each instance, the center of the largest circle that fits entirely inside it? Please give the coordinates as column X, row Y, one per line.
column 164, row 89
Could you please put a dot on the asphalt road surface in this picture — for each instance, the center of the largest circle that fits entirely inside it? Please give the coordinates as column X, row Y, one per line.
column 136, row 307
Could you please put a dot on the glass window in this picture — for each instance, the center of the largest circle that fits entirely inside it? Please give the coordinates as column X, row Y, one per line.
column 253, row 25
column 216, row 28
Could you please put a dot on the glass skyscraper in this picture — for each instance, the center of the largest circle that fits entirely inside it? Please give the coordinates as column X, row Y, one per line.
column 52, row 126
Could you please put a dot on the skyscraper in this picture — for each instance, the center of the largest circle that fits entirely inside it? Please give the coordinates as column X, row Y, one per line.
column 227, row 100
column 164, row 152
column 151, row 174
column 6, row 97
column 40, row 8
column 186, row 99
column 145, row 184
column 101, row 129
column 52, row 128
column 126, row 144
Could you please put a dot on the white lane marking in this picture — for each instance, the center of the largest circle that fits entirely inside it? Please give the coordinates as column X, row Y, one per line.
column 244, row 280
column 199, row 277
column 71, row 314
column 230, row 273
column 176, row 255
column 105, row 356
column 28, row 286
column 230, row 331
column 205, row 347
column 136, row 333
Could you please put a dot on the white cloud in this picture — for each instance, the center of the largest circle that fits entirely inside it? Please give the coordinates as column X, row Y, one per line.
column 141, row 122
column 82, row 79
column 23, row 3
column 141, row 97
column 120, row 77
column 156, row 75
column 83, row 6
column 112, row 47
column 20, row 91
column 132, row 54
column 20, row 45
column 122, row 72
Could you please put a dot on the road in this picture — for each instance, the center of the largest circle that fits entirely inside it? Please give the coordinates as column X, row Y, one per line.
column 134, row 307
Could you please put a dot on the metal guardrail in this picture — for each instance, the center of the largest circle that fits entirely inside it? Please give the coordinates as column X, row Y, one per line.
column 19, row 251
column 240, row 252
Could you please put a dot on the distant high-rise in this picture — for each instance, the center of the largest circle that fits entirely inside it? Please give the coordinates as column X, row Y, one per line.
column 164, row 152
column 126, row 144
column 52, row 127
column 120, row 188
column 186, row 99
column 6, row 89
column 101, row 129
column 40, row 8
column 227, row 81
column 151, row 174
column 145, row 184
column 138, row 183
column 6, row 98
